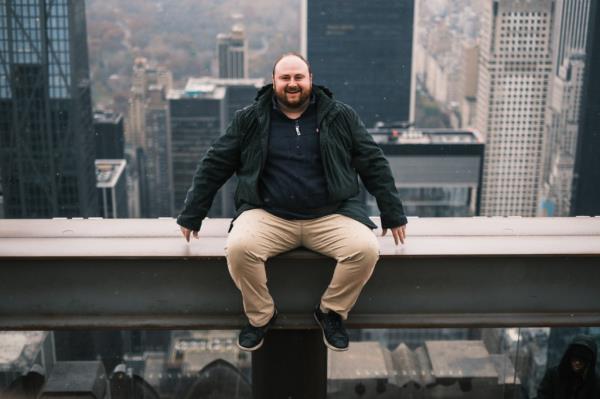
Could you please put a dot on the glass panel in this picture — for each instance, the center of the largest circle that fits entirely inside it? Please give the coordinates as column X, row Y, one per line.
column 123, row 364
column 452, row 363
column 381, row 363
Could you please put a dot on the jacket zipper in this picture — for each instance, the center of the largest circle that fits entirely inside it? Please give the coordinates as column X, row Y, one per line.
column 297, row 128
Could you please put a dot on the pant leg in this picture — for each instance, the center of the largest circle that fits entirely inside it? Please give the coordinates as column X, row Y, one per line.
column 356, row 249
column 255, row 237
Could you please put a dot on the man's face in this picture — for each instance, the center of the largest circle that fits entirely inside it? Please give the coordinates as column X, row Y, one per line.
column 292, row 82
column 577, row 364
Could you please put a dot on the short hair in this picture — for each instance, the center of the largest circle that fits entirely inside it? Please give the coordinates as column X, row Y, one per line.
column 292, row 53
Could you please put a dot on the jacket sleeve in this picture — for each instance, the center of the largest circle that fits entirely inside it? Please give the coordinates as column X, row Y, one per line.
column 218, row 164
column 374, row 170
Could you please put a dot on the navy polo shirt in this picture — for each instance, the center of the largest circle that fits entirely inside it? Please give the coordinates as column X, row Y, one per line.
column 293, row 184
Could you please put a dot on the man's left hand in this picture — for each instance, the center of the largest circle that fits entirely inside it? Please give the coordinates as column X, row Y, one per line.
column 399, row 233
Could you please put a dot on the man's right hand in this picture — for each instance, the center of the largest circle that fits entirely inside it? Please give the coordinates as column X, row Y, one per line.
column 186, row 233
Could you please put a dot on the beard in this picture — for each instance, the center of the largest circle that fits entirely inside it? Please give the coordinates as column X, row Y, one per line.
column 293, row 98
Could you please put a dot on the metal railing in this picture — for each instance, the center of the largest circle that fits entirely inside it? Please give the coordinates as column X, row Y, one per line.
column 135, row 273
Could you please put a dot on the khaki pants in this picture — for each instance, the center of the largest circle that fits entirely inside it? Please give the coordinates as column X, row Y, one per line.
column 258, row 235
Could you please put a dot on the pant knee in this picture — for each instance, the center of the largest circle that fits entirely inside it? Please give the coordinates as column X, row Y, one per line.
column 239, row 254
column 371, row 251
column 368, row 250
column 363, row 252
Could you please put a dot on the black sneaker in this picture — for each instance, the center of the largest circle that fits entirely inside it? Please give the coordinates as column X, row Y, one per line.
column 334, row 333
column 251, row 338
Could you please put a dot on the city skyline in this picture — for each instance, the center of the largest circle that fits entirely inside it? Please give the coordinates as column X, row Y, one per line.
column 521, row 129
column 529, row 173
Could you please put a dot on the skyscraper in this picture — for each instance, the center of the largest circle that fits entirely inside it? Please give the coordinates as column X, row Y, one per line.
column 586, row 199
column 157, row 155
column 148, row 135
column 199, row 114
column 110, row 140
column 145, row 74
column 111, row 183
column 232, row 54
column 362, row 51
column 46, row 136
column 514, row 70
column 197, row 119
column 564, row 109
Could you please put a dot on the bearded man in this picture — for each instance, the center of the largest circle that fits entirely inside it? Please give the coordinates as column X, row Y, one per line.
column 297, row 153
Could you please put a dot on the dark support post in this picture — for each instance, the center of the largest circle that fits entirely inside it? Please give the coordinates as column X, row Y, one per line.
column 292, row 364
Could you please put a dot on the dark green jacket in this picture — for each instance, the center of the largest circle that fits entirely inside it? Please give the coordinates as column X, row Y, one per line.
column 346, row 148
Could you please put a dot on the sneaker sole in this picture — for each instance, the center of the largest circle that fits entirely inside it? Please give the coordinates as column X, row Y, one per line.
column 327, row 344
column 245, row 349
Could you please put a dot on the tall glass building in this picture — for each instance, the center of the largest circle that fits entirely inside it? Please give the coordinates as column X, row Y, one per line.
column 587, row 165
column 362, row 51
column 46, row 127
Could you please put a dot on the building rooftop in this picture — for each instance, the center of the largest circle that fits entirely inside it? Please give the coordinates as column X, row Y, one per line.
column 107, row 117
column 411, row 366
column 363, row 360
column 207, row 90
column 438, row 360
column 196, row 349
column 18, row 349
column 197, row 84
column 109, row 171
column 81, row 378
column 392, row 135
column 460, row 359
column 209, row 87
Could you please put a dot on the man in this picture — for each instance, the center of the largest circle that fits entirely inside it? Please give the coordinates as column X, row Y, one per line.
column 296, row 153
column 575, row 377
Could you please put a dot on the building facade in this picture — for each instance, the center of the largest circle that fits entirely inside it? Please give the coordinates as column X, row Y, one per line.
column 149, row 138
column 199, row 114
column 197, row 119
column 110, row 135
column 112, row 186
column 514, row 71
column 586, row 192
column 564, row 109
column 362, row 51
column 158, row 184
column 47, row 143
column 437, row 171
column 232, row 54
